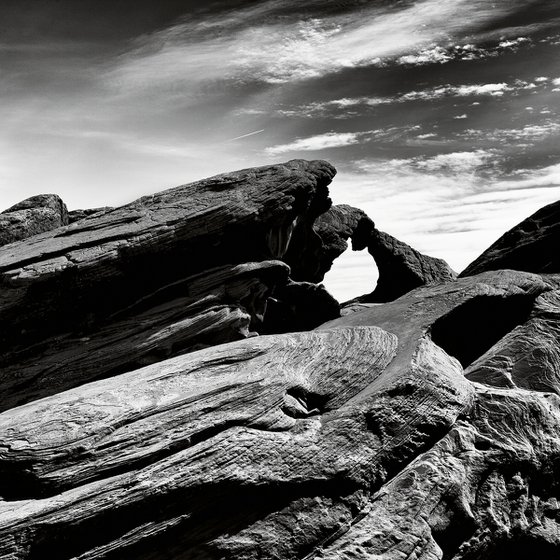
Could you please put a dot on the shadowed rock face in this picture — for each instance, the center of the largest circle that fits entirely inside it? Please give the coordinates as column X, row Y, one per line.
column 169, row 273
column 531, row 245
column 33, row 215
column 425, row 428
column 402, row 268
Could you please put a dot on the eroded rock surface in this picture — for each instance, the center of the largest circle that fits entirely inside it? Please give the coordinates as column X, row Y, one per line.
column 224, row 451
column 424, row 428
column 531, row 245
column 31, row 216
column 80, row 214
column 166, row 274
column 363, row 439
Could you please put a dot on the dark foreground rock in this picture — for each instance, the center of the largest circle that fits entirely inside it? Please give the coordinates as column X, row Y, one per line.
column 33, row 215
column 166, row 274
column 531, row 245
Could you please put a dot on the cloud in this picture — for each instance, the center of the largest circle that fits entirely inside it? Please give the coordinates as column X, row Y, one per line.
column 438, row 54
column 494, row 90
column 319, row 142
column 452, row 163
column 257, row 44
column 528, row 134
column 342, row 139
column 352, row 106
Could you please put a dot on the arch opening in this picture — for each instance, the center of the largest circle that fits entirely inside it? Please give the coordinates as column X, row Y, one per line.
column 353, row 274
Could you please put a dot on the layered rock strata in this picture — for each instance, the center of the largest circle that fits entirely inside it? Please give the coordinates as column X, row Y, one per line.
column 166, row 274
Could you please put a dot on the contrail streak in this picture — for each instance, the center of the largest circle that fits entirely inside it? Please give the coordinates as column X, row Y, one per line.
column 245, row 135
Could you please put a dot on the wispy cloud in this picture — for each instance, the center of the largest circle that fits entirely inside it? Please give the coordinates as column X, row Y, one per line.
column 350, row 106
column 256, row 45
column 341, row 139
column 319, row 142
column 526, row 135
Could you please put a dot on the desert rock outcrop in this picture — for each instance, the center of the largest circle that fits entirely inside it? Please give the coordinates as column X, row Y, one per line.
column 145, row 415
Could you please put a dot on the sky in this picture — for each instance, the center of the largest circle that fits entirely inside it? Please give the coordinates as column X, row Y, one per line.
column 441, row 116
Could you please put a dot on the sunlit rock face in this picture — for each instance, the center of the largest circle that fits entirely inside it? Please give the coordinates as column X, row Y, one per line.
column 29, row 217
column 145, row 415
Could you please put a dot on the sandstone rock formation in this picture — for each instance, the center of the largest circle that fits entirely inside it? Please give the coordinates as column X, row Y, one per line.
column 31, row 216
column 401, row 268
column 143, row 418
column 531, row 245
column 312, row 257
column 163, row 275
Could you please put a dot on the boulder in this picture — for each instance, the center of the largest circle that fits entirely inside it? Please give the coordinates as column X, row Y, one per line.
column 34, row 215
column 531, row 245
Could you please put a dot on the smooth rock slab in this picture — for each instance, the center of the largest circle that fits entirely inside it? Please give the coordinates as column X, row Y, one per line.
column 219, row 451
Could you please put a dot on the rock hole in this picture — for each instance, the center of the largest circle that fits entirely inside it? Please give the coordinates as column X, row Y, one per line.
column 299, row 402
column 472, row 328
column 353, row 274
column 482, row 444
